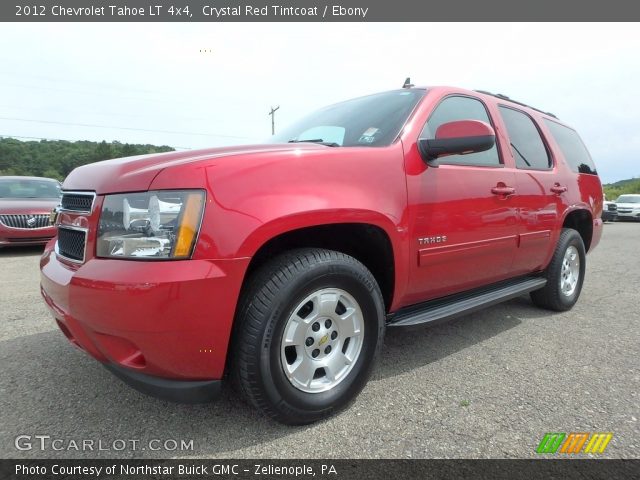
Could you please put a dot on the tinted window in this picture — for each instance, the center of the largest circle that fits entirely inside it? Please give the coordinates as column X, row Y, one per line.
column 527, row 146
column 372, row 121
column 572, row 148
column 461, row 108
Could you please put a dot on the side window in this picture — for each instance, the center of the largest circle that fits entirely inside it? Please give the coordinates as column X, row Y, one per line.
column 572, row 148
column 527, row 146
column 461, row 108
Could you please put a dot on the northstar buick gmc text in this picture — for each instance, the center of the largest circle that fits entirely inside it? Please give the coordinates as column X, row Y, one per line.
column 280, row 266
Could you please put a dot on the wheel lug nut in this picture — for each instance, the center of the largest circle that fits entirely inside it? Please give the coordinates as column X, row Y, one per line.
column 315, row 327
column 309, row 341
column 327, row 323
column 334, row 335
column 328, row 349
column 315, row 353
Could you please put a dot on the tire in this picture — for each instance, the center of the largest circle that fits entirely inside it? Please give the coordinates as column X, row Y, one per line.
column 553, row 296
column 287, row 296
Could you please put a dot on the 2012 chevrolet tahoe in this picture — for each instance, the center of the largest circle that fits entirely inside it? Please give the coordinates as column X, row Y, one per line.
column 279, row 266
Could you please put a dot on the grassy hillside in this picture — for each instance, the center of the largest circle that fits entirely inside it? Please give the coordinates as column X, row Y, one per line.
column 613, row 190
column 56, row 158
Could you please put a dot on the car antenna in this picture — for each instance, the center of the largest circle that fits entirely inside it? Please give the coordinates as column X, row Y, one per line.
column 407, row 83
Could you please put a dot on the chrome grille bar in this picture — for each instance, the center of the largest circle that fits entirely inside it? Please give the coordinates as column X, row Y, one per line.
column 25, row 221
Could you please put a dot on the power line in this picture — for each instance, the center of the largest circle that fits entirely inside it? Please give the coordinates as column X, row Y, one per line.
column 86, row 89
column 21, row 76
column 22, row 108
column 4, row 135
column 75, row 92
column 122, row 128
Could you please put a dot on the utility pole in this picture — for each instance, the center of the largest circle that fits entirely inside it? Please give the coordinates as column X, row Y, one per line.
column 273, row 119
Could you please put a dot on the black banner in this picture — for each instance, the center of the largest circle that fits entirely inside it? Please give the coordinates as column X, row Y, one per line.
column 314, row 11
column 320, row 469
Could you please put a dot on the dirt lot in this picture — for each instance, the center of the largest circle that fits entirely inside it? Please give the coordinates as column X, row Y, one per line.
column 487, row 385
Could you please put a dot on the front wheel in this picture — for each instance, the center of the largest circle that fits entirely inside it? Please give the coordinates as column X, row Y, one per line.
column 310, row 325
column 565, row 274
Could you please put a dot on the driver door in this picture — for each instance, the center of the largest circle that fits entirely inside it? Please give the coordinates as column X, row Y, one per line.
column 464, row 233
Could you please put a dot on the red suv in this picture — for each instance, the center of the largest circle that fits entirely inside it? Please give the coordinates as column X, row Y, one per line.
column 279, row 266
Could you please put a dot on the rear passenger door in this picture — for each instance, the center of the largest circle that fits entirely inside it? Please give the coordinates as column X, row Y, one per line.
column 538, row 192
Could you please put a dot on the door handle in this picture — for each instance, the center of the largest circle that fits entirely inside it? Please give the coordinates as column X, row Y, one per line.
column 558, row 189
column 503, row 190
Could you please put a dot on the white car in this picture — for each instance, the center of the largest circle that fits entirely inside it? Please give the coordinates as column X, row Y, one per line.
column 628, row 207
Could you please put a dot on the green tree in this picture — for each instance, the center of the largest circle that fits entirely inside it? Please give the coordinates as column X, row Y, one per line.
column 103, row 151
column 57, row 158
column 614, row 190
column 52, row 173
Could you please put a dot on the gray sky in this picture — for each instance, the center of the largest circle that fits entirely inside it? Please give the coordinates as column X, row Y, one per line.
column 155, row 77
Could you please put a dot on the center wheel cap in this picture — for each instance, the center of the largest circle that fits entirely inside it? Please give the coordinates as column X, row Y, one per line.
column 322, row 340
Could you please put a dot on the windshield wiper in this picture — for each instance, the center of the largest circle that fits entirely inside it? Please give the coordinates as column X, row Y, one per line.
column 315, row 140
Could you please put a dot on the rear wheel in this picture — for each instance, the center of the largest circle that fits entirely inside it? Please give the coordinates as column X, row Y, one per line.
column 309, row 327
column 565, row 274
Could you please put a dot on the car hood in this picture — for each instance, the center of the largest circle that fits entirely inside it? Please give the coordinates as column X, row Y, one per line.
column 22, row 206
column 136, row 173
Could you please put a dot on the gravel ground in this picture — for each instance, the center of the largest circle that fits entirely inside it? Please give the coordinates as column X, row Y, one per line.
column 489, row 384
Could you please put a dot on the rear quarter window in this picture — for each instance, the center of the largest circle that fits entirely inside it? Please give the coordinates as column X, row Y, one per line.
column 572, row 147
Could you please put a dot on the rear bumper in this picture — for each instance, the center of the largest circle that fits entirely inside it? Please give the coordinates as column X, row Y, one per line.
column 596, row 234
column 161, row 326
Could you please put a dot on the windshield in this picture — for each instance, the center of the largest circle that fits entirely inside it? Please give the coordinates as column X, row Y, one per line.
column 372, row 121
column 29, row 188
column 628, row 199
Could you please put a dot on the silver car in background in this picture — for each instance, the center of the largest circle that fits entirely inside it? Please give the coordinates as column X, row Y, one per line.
column 628, row 206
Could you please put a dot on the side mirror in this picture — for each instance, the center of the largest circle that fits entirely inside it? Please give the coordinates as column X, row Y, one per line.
column 457, row 138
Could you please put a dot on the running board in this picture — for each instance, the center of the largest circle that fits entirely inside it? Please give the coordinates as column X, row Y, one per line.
column 461, row 304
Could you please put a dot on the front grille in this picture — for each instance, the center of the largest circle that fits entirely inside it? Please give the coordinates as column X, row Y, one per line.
column 612, row 207
column 71, row 243
column 26, row 222
column 77, row 202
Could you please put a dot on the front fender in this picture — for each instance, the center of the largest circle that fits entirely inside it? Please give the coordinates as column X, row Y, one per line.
column 313, row 218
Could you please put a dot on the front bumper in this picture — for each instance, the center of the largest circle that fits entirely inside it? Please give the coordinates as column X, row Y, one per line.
column 25, row 236
column 153, row 323
column 182, row 391
column 633, row 214
column 609, row 216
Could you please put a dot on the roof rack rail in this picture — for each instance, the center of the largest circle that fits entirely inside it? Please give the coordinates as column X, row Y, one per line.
column 504, row 97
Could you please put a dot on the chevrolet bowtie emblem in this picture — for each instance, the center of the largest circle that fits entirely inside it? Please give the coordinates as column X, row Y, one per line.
column 323, row 340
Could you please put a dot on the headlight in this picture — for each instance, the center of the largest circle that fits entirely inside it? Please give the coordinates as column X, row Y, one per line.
column 161, row 224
